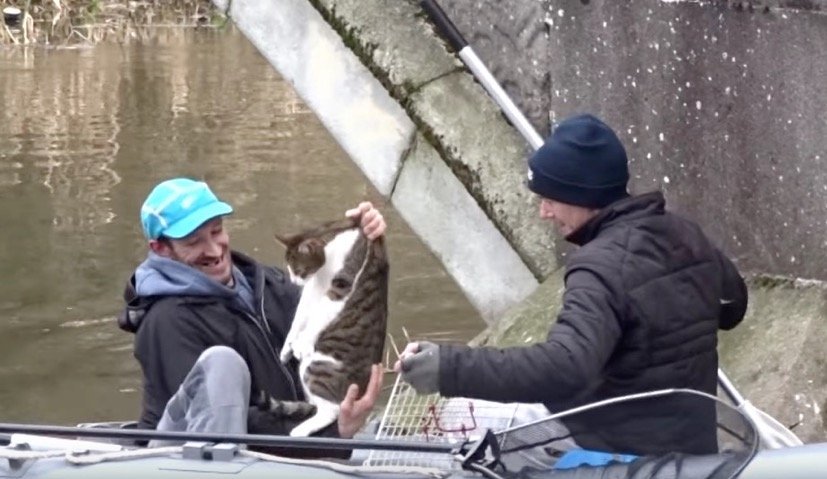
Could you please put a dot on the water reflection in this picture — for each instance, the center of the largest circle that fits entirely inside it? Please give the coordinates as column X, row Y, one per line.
column 86, row 132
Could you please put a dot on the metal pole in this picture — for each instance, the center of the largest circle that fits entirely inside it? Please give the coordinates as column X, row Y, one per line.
column 251, row 439
column 729, row 388
column 472, row 61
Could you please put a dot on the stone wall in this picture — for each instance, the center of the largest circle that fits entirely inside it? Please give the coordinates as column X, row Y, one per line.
column 723, row 105
column 423, row 133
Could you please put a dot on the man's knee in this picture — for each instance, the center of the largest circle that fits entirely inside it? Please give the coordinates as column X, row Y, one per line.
column 225, row 363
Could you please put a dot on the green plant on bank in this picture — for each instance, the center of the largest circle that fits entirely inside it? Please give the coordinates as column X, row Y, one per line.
column 50, row 22
column 218, row 19
column 93, row 9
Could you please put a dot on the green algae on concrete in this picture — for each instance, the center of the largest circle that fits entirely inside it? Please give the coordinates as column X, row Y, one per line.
column 434, row 203
column 378, row 134
column 529, row 321
column 394, row 41
column 489, row 157
column 398, row 53
column 775, row 357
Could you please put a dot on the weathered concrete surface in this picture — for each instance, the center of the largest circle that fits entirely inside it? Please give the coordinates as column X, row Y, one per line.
column 729, row 85
column 455, row 114
column 777, row 354
column 724, row 108
column 378, row 134
column 511, row 38
column 774, row 357
column 434, row 202
column 529, row 321
column 716, row 102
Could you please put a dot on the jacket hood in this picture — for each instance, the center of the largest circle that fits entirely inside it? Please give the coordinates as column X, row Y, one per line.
column 157, row 277
column 160, row 276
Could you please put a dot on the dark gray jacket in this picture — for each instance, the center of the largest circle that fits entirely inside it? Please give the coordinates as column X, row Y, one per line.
column 644, row 298
column 176, row 313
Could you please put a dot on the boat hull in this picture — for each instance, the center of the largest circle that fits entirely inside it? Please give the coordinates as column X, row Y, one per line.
column 804, row 462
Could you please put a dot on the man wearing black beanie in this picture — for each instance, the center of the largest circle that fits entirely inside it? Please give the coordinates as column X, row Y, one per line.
column 645, row 295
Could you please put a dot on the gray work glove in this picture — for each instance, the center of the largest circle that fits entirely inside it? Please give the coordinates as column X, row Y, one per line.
column 421, row 370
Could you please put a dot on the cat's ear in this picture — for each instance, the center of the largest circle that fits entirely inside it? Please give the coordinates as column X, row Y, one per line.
column 310, row 245
column 288, row 241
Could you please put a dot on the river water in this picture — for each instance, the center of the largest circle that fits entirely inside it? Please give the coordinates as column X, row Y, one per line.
column 86, row 132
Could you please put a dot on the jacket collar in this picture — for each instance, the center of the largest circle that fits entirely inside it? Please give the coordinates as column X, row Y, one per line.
column 253, row 271
column 131, row 317
column 250, row 268
column 629, row 208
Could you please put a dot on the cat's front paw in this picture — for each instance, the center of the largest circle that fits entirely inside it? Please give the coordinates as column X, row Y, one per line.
column 286, row 353
column 303, row 350
column 302, row 430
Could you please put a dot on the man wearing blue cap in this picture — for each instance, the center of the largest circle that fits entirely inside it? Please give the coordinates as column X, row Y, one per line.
column 209, row 322
column 644, row 297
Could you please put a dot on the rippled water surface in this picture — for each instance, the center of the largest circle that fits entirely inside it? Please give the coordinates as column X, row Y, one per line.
column 84, row 135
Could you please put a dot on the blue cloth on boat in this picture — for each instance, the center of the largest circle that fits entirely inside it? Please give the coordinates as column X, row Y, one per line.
column 160, row 276
column 584, row 457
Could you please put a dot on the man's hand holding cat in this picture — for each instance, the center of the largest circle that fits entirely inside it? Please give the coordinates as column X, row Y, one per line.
column 419, row 365
column 373, row 224
column 354, row 410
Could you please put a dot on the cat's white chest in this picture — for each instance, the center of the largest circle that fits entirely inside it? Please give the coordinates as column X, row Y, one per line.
column 316, row 313
column 316, row 310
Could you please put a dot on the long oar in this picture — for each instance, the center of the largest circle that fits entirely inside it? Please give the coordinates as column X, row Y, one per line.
column 772, row 433
column 251, row 439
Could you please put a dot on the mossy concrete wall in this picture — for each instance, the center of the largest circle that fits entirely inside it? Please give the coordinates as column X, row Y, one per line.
column 424, row 134
column 722, row 104
column 747, row 167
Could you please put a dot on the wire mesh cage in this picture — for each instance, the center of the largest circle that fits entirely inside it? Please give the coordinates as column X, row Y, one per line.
column 432, row 418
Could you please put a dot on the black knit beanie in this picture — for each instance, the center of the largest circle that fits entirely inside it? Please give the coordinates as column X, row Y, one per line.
column 582, row 163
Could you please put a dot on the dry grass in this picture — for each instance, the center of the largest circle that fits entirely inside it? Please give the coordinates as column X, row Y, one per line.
column 59, row 22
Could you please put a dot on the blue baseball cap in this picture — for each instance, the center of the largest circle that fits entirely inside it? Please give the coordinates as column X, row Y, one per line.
column 177, row 207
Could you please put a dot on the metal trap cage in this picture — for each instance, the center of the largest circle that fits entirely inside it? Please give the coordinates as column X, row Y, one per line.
column 432, row 418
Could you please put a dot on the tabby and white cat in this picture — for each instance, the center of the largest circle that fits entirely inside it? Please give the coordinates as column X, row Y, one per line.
column 339, row 328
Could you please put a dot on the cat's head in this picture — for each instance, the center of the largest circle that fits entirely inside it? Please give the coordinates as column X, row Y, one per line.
column 304, row 256
column 305, row 251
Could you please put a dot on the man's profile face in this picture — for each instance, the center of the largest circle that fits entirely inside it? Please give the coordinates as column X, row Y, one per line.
column 567, row 218
column 206, row 249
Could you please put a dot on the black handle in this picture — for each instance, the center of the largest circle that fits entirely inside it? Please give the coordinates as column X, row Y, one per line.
column 252, row 439
column 444, row 24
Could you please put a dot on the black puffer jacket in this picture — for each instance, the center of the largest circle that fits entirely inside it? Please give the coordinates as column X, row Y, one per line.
column 644, row 298
column 172, row 331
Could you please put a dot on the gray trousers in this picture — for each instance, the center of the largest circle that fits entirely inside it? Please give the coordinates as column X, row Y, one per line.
column 214, row 397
